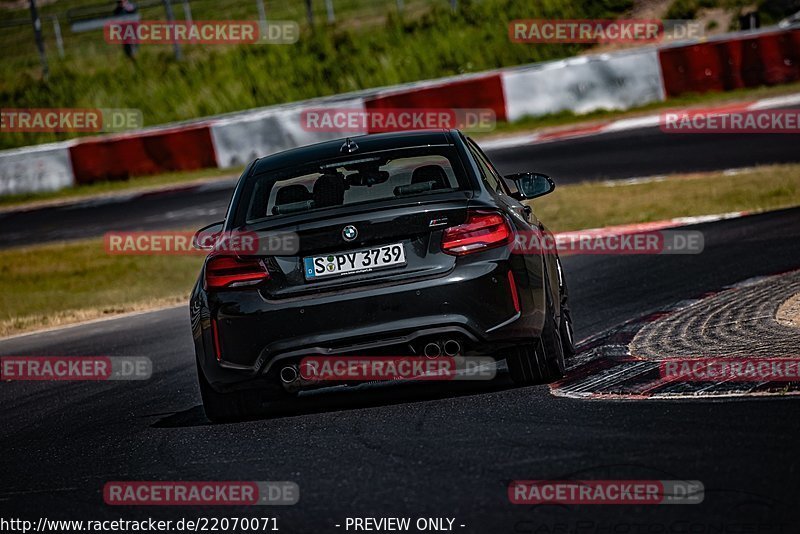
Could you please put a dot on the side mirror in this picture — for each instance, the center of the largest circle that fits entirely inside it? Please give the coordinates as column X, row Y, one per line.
column 206, row 237
column 531, row 184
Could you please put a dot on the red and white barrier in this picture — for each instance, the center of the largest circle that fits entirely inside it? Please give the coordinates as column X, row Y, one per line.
column 618, row 80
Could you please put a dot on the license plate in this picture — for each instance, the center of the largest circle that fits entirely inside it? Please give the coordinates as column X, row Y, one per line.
column 357, row 261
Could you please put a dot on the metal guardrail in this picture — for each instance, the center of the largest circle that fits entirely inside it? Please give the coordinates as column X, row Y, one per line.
column 86, row 25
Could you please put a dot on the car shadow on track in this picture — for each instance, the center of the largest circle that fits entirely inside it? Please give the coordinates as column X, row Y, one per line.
column 365, row 396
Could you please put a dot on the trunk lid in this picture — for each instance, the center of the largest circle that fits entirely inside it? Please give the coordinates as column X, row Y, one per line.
column 415, row 224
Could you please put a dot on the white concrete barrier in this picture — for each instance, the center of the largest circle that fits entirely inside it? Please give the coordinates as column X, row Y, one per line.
column 584, row 84
column 35, row 169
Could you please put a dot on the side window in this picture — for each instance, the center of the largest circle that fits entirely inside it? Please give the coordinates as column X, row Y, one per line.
column 490, row 175
column 486, row 174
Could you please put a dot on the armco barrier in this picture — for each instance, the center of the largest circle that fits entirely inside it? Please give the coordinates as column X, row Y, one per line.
column 240, row 139
column 765, row 58
column 120, row 156
column 485, row 92
column 583, row 84
column 37, row 168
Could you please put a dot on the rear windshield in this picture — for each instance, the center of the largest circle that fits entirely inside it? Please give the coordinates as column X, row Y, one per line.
column 353, row 180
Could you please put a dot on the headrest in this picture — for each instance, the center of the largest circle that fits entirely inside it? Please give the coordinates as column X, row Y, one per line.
column 291, row 194
column 329, row 191
column 430, row 173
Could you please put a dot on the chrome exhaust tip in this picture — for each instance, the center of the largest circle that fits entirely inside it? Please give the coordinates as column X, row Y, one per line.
column 288, row 374
column 452, row 347
column 432, row 350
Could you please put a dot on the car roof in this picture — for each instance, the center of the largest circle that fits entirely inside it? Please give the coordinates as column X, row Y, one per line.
column 366, row 143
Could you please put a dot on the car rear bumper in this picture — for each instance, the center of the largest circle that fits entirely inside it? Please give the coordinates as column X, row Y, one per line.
column 472, row 303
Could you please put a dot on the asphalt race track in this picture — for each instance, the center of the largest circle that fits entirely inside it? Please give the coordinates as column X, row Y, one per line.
column 423, row 451
column 617, row 155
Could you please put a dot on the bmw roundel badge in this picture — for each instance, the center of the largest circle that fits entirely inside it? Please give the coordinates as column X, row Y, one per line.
column 349, row 232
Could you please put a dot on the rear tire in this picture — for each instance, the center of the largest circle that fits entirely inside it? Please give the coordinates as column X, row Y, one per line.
column 541, row 362
column 565, row 331
column 565, row 322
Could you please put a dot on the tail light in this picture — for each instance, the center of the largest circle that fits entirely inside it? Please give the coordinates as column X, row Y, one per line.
column 481, row 231
column 232, row 271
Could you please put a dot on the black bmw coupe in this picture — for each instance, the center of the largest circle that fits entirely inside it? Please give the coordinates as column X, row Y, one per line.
column 385, row 244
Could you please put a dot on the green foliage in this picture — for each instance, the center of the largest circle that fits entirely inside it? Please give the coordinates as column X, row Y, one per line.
column 687, row 9
column 683, row 9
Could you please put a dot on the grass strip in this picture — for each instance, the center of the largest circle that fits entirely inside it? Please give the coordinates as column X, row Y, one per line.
column 54, row 284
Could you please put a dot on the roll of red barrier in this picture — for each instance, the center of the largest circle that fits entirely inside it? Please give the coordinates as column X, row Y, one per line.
column 480, row 92
column 748, row 61
column 695, row 68
column 121, row 156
